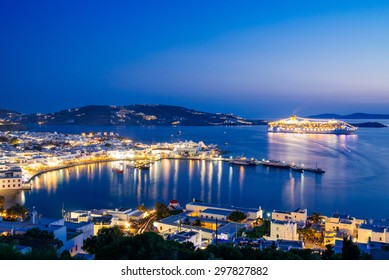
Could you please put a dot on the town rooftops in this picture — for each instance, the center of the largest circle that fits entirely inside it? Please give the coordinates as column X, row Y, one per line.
column 340, row 216
column 187, row 233
column 281, row 212
column 211, row 211
column 230, row 228
column 282, row 222
column 75, row 226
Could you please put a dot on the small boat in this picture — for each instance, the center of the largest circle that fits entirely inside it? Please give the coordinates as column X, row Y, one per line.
column 315, row 170
column 144, row 166
column 297, row 168
column 117, row 170
column 242, row 161
column 275, row 163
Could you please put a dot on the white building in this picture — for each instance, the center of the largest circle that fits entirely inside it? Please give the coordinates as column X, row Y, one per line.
column 298, row 216
column 343, row 223
column 187, row 236
column 373, row 233
column 11, row 177
column 283, row 230
column 199, row 207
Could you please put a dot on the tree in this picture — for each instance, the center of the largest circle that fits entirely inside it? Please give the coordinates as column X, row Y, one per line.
column 350, row 251
column 329, row 252
column 161, row 210
column 17, row 210
column 104, row 237
column 237, row 216
column 142, row 208
column 316, row 218
column 260, row 231
column 198, row 223
column 2, row 203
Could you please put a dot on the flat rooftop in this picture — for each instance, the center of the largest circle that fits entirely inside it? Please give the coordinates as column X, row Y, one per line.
column 216, row 212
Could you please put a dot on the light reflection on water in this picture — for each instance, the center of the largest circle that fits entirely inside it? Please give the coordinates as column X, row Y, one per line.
column 355, row 181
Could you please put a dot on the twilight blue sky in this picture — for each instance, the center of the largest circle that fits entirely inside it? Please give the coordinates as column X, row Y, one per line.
column 253, row 58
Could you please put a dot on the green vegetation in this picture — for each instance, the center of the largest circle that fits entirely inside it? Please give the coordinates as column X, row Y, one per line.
column 161, row 210
column 198, row 223
column 44, row 246
column 350, row 251
column 237, row 216
column 316, row 218
column 310, row 234
column 16, row 211
column 111, row 244
column 259, row 231
column 142, row 208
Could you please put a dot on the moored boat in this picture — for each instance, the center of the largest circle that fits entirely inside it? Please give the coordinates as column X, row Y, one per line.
column 275, row 163
column 242, row 161
column 118, row 170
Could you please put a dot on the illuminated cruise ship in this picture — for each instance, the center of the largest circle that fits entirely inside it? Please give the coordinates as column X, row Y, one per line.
column 315, row 126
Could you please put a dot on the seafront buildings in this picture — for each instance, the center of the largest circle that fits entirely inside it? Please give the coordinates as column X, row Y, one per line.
column 27, row 153
column 24, row 154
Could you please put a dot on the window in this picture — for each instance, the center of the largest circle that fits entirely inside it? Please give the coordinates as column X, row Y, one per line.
column 380, row 238
column 278, row 236
column 160, row 228
column 277, row 229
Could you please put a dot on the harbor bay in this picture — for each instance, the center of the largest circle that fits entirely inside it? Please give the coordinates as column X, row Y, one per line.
column 355, row 181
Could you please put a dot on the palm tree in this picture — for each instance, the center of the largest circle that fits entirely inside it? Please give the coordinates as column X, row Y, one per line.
column 316, row 218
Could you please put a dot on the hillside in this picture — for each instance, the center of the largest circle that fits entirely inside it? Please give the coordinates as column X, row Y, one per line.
column 351, row 116
column 132, row 115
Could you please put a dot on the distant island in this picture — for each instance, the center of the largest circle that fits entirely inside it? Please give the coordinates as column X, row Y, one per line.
column 131, row 115
column 369, row 124
column 351, row 116
column 356, row 116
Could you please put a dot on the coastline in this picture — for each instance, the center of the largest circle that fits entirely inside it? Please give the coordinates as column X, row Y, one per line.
column 68, row 166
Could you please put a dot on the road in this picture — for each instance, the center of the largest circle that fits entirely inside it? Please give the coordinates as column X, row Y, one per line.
column 146, row 225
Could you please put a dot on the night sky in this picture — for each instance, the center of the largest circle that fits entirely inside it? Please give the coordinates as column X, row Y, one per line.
column 253, row 58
